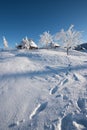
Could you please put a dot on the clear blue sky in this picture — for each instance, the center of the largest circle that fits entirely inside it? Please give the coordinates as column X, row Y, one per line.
column 20, row 18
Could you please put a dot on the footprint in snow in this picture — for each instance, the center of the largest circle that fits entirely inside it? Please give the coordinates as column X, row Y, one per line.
column 78, row 77
column 53, row 90
column 38, row 109
column 65, row 97
column 17, row 123
column 74, row 121
column 82, row 104
column 75, row 77
column 12, row 125
column 64, row 82
column 59, row 95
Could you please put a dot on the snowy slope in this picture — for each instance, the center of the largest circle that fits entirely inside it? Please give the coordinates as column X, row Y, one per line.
column 43, row 90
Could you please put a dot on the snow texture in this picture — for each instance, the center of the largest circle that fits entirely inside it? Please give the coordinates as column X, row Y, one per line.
column 43, row 89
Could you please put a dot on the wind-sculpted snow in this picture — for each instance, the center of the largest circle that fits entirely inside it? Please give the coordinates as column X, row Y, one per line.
column 43, row 90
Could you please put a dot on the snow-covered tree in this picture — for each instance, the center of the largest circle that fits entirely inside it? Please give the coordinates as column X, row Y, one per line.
column 5, row 42
column 46, row 38
column 69, row 38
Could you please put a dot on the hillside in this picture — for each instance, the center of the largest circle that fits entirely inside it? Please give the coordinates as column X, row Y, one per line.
column 43, row 90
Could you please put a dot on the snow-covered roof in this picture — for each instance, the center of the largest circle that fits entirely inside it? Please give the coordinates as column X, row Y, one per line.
column 28, row 43
column 32, row 43
column 56, row 44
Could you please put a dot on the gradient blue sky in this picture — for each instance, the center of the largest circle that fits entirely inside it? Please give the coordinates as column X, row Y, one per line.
column 20, row 18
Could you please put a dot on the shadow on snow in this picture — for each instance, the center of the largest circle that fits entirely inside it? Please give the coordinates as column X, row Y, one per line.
column 47, row 71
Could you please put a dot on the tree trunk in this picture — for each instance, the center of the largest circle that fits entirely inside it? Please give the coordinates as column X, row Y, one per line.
column 67, row 51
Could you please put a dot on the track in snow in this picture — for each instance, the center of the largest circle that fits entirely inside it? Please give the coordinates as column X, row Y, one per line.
column 38, row 109
column 53, row 90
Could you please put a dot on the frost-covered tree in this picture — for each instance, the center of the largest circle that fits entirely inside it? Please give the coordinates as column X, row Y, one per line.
column 5, row 43
column 69, row 38
column 46, row 38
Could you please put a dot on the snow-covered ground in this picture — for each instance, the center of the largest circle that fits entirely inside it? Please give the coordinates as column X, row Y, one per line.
column 43, row 90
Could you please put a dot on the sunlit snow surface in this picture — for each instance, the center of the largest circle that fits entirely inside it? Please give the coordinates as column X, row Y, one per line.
column 43, row 90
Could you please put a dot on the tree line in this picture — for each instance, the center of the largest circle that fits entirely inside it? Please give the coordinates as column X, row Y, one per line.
column 68, row 38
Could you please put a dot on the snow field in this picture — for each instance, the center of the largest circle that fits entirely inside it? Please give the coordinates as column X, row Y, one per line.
column 43, row 89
